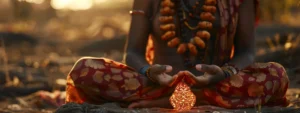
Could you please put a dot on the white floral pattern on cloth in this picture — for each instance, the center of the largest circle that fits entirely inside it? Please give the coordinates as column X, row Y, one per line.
column 98, row 76
column 256, row 90
column 269, row 85
column 261, row 65
column 236, row 80
column 276, row 64
column 115, row 70
column 128, row 74
column 275, row 86
column 261, row 77
column 96, row 64
column 107, row 77
column 273, row 72
column 117, row 77
column 251, row 78
column 131, row 84
column 84, row 72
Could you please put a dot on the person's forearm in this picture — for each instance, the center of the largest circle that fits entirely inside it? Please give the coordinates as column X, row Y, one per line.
column 135, row 61
column 242, row 60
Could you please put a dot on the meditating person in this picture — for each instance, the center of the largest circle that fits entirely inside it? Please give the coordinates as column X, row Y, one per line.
column 209, row 43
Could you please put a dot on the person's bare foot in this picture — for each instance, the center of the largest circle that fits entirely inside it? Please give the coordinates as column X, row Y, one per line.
column 160, row 103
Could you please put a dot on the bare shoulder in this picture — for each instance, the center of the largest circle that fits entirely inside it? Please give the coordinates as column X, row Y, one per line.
column 147, row 6
column 142, row 4
column 247, row 5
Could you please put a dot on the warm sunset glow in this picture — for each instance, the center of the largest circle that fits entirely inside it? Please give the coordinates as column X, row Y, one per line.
column 288, row 45
column 100, row 1
column 72, row 4
column 33, row 1
column 108, row 32
column 183, row 98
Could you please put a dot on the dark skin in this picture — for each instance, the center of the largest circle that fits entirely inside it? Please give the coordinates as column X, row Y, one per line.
column 168, row 65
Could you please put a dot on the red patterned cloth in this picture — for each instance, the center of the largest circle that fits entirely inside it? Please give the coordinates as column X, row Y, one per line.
column 100, row 80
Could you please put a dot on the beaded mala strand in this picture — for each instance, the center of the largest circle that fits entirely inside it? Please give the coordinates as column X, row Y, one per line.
column 187, row 45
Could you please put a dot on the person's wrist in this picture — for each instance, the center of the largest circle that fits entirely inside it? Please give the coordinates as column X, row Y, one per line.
column 229, row 71
column 232, row 67
column 146, row 72
column 144, row 69
column 226, row 73
column 149, row 76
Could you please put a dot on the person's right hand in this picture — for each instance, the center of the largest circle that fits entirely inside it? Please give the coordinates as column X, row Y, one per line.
column 159, row 74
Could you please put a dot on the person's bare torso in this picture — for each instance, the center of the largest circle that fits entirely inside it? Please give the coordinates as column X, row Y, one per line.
column 168, row 56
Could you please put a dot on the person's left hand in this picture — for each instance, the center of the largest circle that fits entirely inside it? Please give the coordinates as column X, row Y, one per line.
column 212, row 75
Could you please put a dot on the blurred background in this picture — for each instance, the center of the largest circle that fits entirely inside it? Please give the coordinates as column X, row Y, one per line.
column 41, row 39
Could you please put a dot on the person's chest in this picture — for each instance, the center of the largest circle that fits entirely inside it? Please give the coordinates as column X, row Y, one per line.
column 157, row 32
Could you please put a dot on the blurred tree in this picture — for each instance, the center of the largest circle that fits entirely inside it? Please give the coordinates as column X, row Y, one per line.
column 22, row 9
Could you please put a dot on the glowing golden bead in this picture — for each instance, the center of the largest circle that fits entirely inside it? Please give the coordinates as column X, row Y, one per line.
column 166, row 11
column 207, row 16
column 167, row 27
column 210, row 2
column 203, row 34
column 205, row 25
column 167, row 3
column 199, row 42
column 211, row 9
column 174, row 42
column 168, row 35
column 166, row 19
column 182, row 48
column 193, row 49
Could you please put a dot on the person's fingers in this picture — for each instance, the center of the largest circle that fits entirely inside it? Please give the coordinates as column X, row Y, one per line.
column 174, row 80
column 157, row 69
column 206, row 68
column 168, row 68
column 188, row 73
column 164, row 79
column 190, row 77
column 203, row 80
column 180, row 74
column 200, row 81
